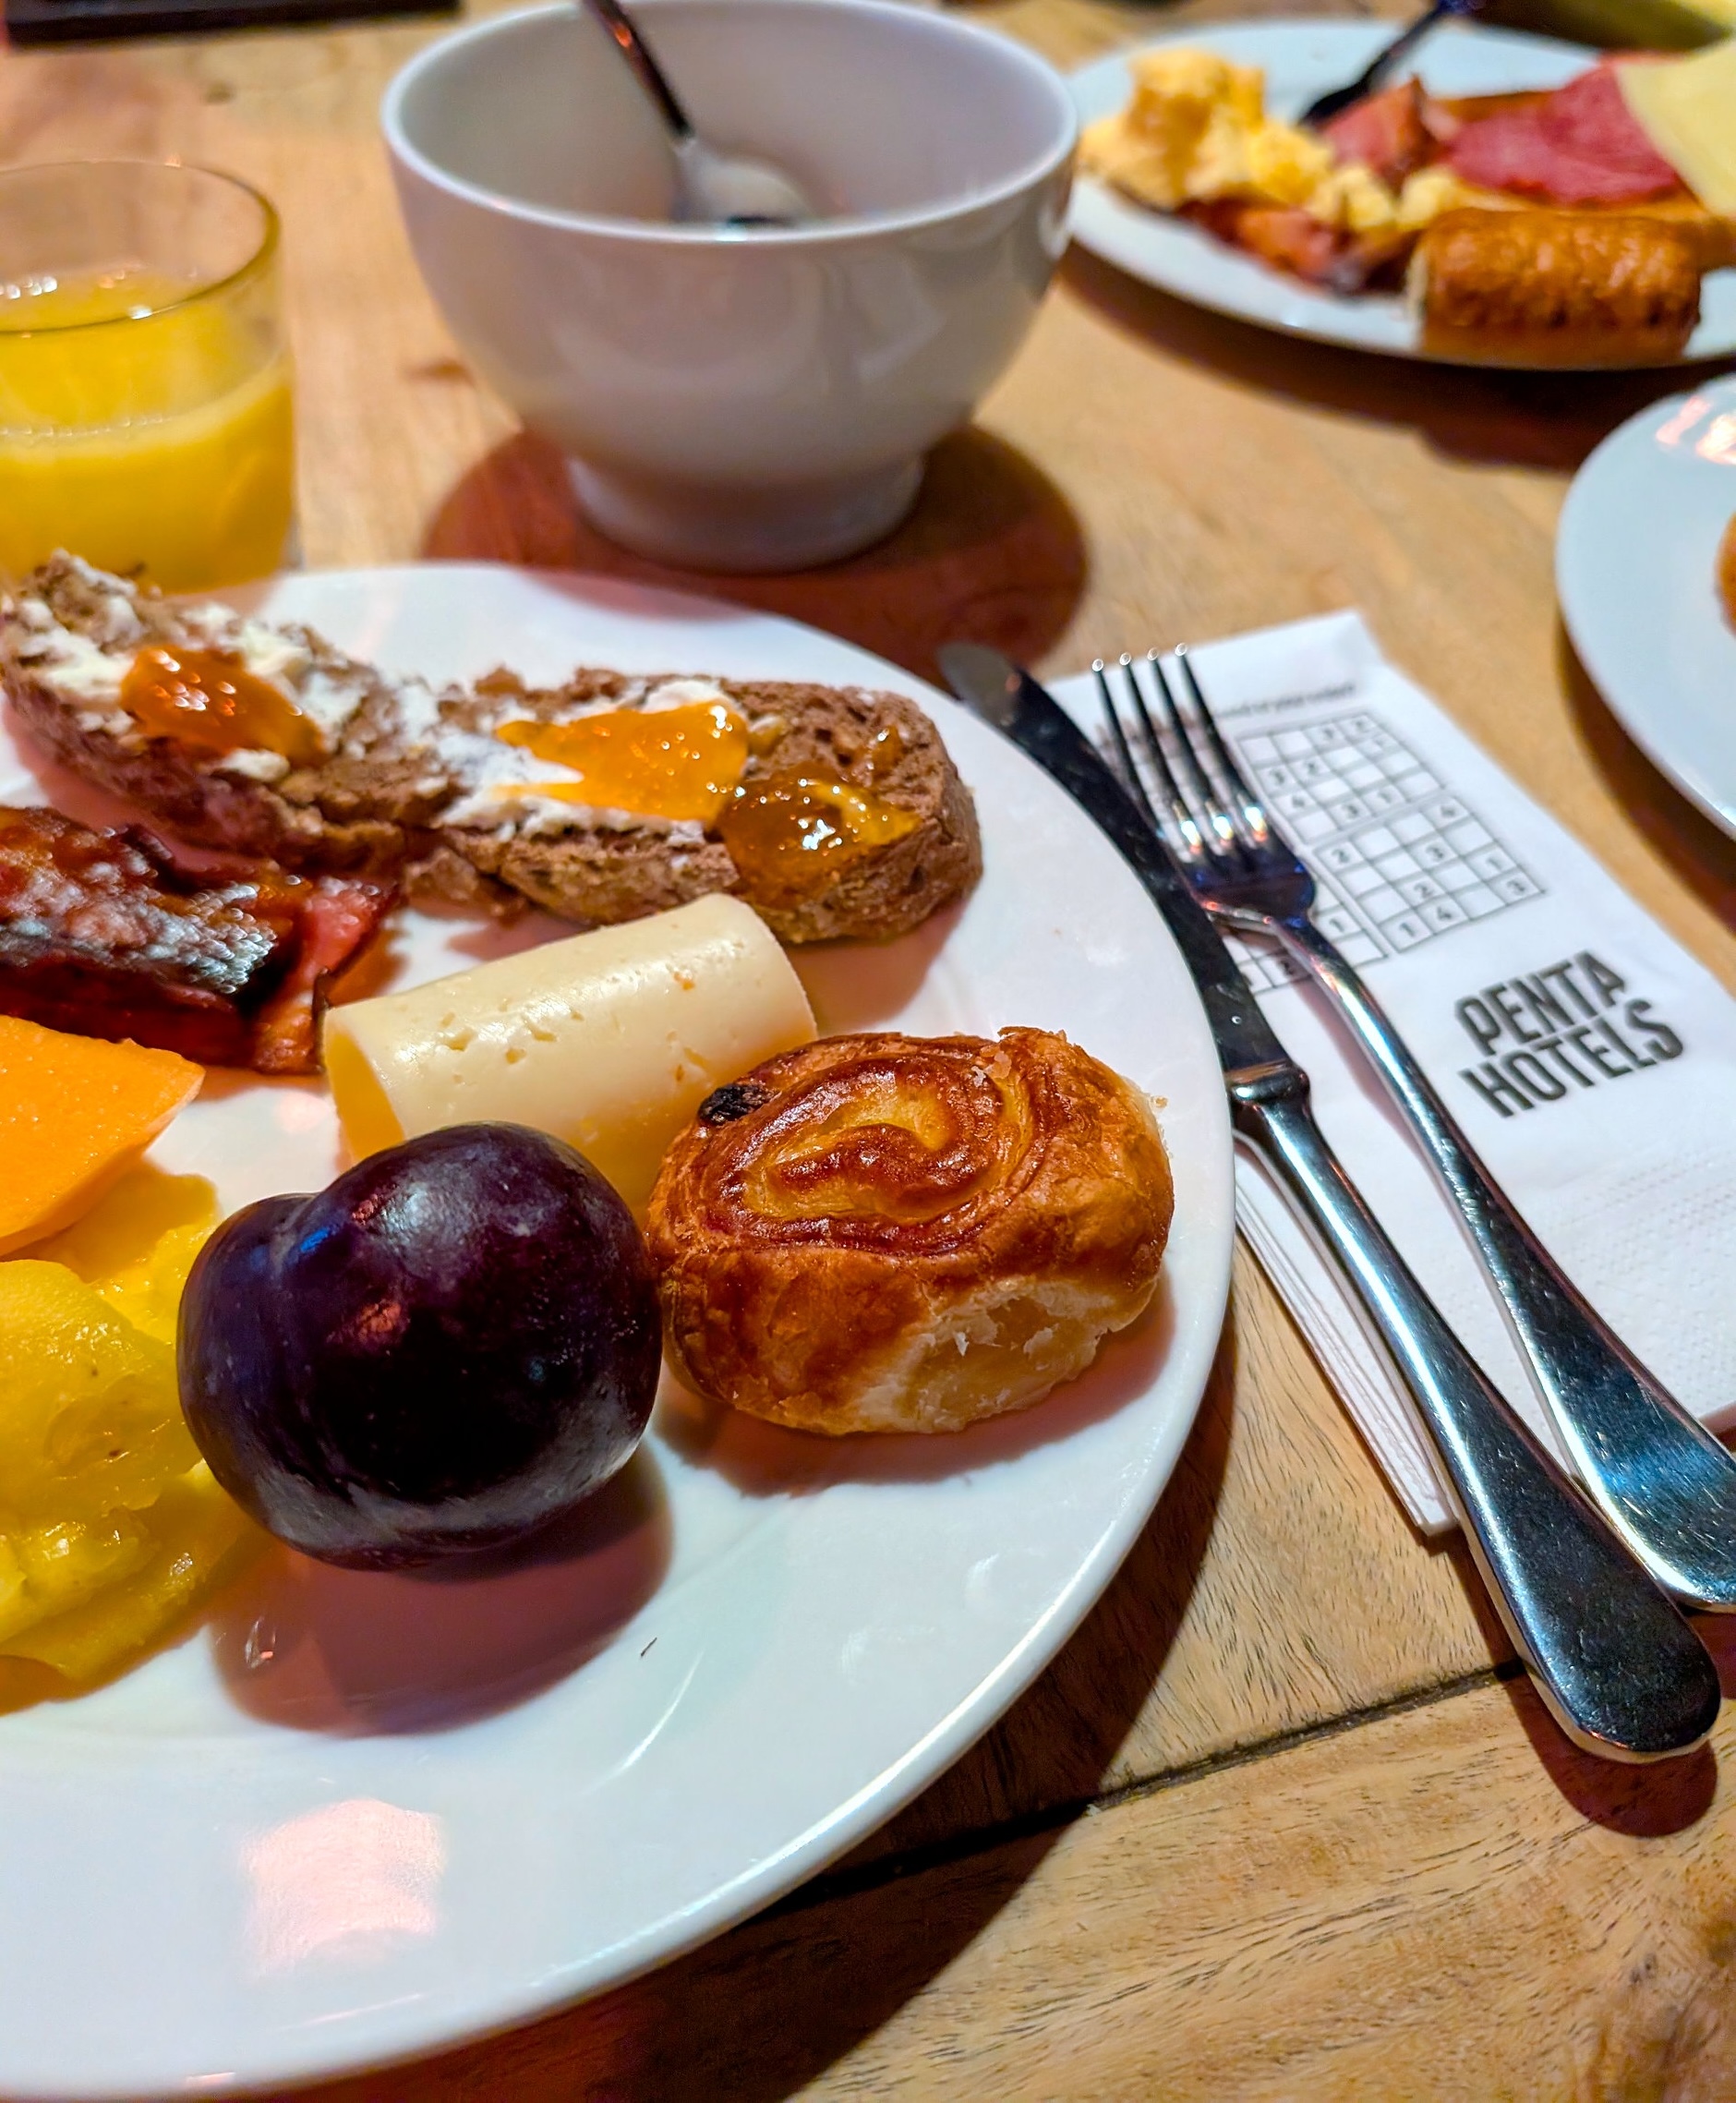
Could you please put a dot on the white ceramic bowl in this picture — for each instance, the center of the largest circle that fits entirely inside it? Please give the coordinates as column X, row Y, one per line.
column 752, row 398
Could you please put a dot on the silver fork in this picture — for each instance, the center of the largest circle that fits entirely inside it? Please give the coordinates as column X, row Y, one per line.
column 1665, row 1483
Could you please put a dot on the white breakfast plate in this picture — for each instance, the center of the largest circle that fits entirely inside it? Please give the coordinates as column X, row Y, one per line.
column 1302, row 59
column 352, row 1818
column 1635, row 556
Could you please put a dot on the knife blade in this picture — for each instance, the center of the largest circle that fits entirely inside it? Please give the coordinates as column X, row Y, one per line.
column 1007, row 696
column 1615, row 1664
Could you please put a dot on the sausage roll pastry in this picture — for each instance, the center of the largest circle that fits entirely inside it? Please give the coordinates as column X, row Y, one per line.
column 884, row 1233
column 1556, row 288
column 1727, row 571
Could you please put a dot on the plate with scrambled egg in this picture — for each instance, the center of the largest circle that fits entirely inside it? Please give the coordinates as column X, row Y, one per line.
column 1202, row 123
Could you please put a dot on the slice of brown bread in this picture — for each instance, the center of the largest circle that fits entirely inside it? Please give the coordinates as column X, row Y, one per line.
column 877, row 743
column 403, row 785
column 68, row 636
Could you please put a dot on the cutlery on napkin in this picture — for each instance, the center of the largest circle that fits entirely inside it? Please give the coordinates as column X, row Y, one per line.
column 1591, row 1061
column 1618, row 1667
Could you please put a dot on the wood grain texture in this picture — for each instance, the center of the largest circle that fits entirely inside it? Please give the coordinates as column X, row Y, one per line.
column 1270, row 1592
column 1445, row 1903
column 1425, row 1903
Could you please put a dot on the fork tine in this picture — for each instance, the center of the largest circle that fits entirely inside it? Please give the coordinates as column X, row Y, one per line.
column 1129, row 772
column 1203, row 795
column 1181, row 818
column 1253, row 811
column 1160, row 759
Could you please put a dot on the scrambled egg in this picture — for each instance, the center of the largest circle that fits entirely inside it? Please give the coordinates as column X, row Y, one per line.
column 1197, row 129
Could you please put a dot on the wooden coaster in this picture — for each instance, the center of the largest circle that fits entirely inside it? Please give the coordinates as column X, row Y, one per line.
column 69, row 21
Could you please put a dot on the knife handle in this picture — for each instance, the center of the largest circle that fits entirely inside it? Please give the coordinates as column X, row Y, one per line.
column 1662, row 1480
column 1616, row 1665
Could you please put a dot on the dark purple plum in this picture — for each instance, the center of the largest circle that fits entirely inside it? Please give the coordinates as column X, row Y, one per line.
column 446, row 1348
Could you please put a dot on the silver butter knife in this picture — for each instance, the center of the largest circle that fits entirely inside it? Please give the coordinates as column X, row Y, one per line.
column 1617, row 1665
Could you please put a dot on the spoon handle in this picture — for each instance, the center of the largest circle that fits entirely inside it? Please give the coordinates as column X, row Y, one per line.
column 1405, row 42
column 1325, row 107
column 637, row 52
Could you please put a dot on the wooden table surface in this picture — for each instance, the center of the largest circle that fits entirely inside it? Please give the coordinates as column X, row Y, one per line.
column 1281, row 1821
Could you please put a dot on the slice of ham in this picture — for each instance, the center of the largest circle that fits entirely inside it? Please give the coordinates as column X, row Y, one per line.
column 113, row 935
column 1581, row 145
column 1388, row 133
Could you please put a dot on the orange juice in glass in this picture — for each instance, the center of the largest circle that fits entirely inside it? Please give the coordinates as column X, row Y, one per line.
column 146, row 420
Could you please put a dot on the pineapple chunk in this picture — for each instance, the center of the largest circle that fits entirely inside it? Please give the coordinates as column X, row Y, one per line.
column 138, row 1244
column 111, row 1525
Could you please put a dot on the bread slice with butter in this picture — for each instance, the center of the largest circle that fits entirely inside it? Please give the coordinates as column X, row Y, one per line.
column 877, row 831
column 69, row 637
column 811, row 750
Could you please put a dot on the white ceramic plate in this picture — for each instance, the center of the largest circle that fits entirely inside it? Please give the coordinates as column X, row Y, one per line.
column 1302, row 59
column 1635, row 562
column 356, row 1817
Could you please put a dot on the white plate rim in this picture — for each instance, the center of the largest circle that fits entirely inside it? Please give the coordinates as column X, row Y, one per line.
column 1186, row 261
column 1186, row 1365
column 1615, row 557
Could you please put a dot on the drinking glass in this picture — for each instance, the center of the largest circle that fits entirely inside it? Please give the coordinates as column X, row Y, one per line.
column 146, row 419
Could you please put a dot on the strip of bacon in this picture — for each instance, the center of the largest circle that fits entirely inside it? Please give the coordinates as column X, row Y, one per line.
column 338, row 921
column 1387, row 133
column 115, row 934
column 1283, row 235
column 1291, row 239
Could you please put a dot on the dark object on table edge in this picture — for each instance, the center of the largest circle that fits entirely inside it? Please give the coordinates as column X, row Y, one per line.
column 85, row 21
column 1620, row 1669
column 1633, row 25
column 111, row 935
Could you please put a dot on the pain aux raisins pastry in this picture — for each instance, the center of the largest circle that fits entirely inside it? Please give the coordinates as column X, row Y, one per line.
column 886, row 1233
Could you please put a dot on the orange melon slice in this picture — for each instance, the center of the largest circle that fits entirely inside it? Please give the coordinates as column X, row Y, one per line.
column 73, row 1113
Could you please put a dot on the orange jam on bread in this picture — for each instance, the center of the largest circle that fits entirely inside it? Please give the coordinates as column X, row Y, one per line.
column 790, row 830
column 209, row 699
column 677, row 763
column 793, row 829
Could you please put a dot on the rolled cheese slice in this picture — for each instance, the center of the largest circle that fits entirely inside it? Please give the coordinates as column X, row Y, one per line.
column 610, row 1040
column 1687, row 108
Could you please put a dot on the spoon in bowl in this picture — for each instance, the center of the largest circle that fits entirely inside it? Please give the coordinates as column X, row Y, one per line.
column 723, row 189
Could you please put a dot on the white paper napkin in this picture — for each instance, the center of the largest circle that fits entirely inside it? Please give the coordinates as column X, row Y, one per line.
column 1590, row 1059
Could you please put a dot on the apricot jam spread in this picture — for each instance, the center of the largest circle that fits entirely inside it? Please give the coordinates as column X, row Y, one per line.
column 670, row 763
column 793, row 828
column 209, row 699
column 788, row 829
